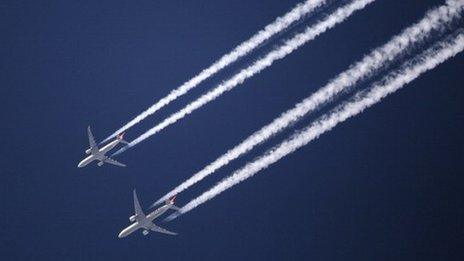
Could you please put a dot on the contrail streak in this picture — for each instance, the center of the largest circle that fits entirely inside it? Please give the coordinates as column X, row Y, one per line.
column 279, row 24
column 436, row 19
column 291, row 45
column 393, row 82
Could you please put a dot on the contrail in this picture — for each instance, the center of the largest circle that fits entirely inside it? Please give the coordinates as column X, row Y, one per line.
column 279, row 24
column 429, row 60
column 291, row 45
column 436, row 19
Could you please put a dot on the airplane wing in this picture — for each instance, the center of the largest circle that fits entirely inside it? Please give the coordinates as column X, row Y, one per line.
column 138, row 209
column 114, row 162
column 158, row 229
column 174, row 207
column 92, row 143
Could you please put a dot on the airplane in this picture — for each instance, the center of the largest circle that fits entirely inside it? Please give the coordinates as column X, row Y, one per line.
column 145, row 222
column 99, row 154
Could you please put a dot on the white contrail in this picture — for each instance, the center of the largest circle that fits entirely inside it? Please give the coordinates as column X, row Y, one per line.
column 291, row 45
column 358, row 104
column 279, row 24
column 436, row 19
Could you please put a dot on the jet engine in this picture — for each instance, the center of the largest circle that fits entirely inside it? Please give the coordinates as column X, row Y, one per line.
column 145, row 232
column 132, row 218
column 87, row 151
column 100, row 163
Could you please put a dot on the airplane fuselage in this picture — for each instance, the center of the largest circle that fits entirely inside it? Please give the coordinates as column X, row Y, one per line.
column 99, row 155
column 129, row 230
column 146, row 223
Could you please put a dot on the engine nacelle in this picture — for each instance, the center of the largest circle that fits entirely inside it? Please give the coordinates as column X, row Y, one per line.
column 145, row 232
column 87, row 151
column 100, row 163
column 132, row 218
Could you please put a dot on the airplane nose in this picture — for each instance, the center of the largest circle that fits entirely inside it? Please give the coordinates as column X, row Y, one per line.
column 121, row 235
column 81, row 164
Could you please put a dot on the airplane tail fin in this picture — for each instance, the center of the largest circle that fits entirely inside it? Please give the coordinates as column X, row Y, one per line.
column 170, row 202
column 121, row 138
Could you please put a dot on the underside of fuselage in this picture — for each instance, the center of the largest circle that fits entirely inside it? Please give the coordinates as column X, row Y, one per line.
column 134, row 227
column 89, row 160
column 109, row 146
column 129, row 230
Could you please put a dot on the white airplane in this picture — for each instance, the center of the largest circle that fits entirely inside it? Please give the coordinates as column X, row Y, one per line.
column 99, row 154
column 145, row 222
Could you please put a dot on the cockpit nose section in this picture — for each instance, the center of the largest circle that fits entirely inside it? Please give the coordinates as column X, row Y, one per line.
column 81, row 164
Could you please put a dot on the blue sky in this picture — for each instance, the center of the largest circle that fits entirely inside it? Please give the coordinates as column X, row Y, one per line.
column 384, row 185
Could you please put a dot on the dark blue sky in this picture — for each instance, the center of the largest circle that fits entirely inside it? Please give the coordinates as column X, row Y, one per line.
column 386, row 185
